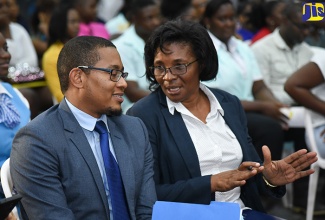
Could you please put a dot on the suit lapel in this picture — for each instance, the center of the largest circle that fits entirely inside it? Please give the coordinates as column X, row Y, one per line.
column 122, row 153
column 75, row 133
column 181, row 136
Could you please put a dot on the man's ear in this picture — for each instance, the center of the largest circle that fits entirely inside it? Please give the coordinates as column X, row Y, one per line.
column 76, row 78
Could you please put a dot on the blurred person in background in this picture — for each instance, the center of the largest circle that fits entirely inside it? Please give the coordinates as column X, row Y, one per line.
column 269, row 17
column 145, row 18
column 89, row 24
column 307, row 87
column 14, row 110
column 24, row 62
column 40, row 25
column 240, row 75
column 64, row 25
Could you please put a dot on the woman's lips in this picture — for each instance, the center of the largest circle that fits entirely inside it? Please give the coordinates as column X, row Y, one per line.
column 173, row 90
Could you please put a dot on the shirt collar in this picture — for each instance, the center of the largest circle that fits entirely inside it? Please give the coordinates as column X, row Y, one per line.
column 137, row 42
column 86, row 121
column 280, row 43
column 219, row 44
column 215, row 106
column 3, row 90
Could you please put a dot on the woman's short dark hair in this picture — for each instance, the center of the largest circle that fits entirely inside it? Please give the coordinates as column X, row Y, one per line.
column 191, row 33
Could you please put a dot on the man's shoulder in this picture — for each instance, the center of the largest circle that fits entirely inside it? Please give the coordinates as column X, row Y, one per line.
column 45, row 121
column 267, row 41
column 148, row 106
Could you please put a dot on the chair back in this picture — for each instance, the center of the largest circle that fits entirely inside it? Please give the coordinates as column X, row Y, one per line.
column 7, row 183
column 311, row 138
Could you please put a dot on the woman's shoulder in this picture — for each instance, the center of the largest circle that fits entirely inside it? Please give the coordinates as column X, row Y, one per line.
column 147, row 105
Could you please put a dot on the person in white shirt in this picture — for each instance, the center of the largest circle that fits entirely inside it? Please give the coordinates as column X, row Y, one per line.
column 307, row 87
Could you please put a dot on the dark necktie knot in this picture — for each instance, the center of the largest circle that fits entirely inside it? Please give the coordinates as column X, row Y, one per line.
column 100, row 127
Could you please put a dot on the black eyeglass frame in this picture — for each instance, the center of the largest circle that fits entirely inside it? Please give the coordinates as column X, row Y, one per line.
column 152, row 69
column 110, row 71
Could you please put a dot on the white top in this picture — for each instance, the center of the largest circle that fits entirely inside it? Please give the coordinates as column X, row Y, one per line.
column 21, row 47
column 107, row 9
column 117, row 25
column 277, row 62
column 219, row 150
column 238, row 68
column 319, row 91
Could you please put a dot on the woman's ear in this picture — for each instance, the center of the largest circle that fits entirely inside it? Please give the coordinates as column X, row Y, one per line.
column 76, row 78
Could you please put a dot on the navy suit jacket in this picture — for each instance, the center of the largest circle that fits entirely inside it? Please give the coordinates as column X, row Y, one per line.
column 55, row 170
column 177, row 170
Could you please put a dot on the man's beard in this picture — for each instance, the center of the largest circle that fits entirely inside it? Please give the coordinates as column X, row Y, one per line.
column 114, row 112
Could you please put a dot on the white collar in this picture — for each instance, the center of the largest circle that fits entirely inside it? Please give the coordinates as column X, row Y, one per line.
column 215, row 106
column 3, row 90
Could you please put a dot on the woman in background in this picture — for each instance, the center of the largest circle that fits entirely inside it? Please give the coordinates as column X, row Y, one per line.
column 64, row 25
column 268, row 17
column 14, row 110
column 239, row 74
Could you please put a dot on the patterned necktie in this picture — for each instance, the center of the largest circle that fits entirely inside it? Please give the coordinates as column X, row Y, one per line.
column 116, row 189
column 8, row 113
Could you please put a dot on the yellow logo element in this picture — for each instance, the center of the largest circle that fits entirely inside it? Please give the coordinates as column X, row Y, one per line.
column 313, row 11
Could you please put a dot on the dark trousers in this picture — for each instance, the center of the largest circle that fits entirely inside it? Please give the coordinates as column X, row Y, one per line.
column 265, row 130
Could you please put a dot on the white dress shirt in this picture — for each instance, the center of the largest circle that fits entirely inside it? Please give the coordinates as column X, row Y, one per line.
column 216, row 145
column 87, row 123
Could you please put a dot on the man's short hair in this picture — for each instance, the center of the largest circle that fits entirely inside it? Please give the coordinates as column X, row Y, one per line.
column 79, row 51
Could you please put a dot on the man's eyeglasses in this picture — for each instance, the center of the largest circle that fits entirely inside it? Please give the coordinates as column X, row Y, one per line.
column 175, row 70
column 115, row 75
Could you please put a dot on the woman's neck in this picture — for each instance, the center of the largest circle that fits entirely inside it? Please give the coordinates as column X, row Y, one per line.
column 199, row 106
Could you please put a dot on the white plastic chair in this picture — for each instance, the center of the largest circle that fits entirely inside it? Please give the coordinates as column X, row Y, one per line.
column 320, row 163
column 7, row 183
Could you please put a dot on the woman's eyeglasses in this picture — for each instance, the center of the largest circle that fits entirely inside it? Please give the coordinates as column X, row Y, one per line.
column 175, row 70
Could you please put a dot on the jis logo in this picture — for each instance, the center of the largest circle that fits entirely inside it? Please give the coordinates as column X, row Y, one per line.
column 313, row 11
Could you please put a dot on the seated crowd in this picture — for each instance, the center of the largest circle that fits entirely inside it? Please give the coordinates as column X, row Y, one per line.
column 114, row 105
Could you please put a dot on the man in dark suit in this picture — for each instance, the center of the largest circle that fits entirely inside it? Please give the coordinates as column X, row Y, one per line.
column 56, row 161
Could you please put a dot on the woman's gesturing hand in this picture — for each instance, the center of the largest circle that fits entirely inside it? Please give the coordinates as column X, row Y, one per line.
column 288, row 169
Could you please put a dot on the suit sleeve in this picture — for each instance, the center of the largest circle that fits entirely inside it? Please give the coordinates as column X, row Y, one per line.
column 147, row 193
column 35, row 173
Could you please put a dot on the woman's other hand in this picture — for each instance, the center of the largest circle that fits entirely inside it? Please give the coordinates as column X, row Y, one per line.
column 231, row 179
column 288, row 169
